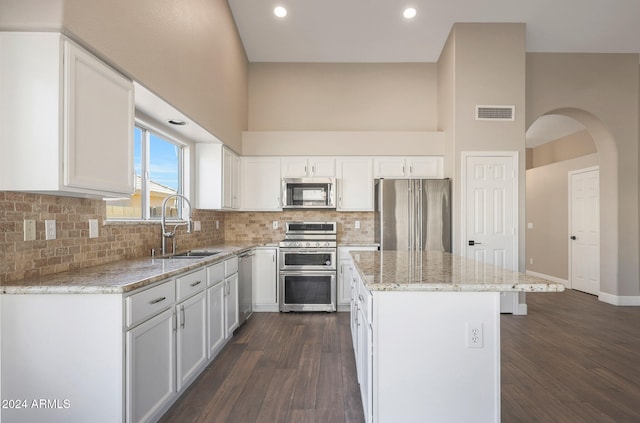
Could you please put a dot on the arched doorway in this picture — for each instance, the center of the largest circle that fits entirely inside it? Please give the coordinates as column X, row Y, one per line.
column 602, row 152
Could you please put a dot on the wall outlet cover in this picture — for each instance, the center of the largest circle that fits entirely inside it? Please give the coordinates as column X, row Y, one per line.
column 93, row 228
column 50, row 229
column 197, row 226
column 29, row 230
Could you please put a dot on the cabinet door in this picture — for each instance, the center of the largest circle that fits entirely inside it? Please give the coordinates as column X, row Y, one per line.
column 235, row 182
column 345, row 274
column 389, row 167
column 294, row 167
column 261, row 185
column 425, row 167
column 98, row 136
column 191, row 338
column 265, row 284
column 151, row 367
column 231, row 304
column 366, row 381
column 215, row 318
column 322, row 167
column 227, row 178
column 355, row 184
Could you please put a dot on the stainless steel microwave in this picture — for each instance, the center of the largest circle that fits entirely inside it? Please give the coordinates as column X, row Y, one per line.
column 309, row 193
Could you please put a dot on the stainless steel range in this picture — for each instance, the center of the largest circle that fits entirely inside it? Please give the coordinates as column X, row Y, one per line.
column 308, row 267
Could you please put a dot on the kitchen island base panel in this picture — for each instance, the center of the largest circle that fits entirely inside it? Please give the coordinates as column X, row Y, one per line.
column 65, row 352
column 423, row 369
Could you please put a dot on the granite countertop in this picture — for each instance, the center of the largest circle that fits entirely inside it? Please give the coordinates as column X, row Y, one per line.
column 438, row 271
column 122, row 276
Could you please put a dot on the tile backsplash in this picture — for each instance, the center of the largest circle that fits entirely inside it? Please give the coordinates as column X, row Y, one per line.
column 258, row 226
column 73, row 249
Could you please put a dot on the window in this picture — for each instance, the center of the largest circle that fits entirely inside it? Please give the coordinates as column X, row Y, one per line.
column 158, row 165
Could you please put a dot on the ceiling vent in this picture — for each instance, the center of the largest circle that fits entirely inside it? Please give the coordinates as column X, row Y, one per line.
column 503, row 113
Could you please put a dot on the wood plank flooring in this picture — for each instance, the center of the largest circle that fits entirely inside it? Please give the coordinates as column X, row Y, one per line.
column 572, row 359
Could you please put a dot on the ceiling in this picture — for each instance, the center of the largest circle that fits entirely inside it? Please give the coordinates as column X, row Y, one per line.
column 374, row 31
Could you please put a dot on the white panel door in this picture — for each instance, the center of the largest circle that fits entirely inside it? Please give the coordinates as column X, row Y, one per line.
column 490, row 215
column 584, row 227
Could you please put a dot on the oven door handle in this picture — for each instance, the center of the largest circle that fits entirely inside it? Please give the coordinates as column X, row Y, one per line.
column 296, row 250
column 307, row 273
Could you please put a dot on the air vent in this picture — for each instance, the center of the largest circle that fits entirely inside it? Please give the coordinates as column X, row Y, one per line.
column 495, row 113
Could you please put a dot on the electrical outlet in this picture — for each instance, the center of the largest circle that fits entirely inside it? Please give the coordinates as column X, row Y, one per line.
column 197, row 226
column 529, row 225
column 93, row 228
column 357, row 224
column 29, row 230
column 50, row 229
column 475, row 337
column 217, row 224
column 530, row 261
column 274, row 224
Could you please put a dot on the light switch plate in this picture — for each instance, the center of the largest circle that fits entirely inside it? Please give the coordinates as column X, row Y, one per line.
column 197, row 226
column 50, row 229
column 29, row 230
column 274, row 224
column 357, row 224
column 93, row 228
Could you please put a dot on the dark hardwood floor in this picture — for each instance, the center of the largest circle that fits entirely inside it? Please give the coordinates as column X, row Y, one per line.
column 572, row 359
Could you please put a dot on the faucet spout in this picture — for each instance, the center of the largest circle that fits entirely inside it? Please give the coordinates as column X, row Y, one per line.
column 171, row 234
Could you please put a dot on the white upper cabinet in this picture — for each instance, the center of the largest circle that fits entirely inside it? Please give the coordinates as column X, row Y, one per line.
column 66, row 117
column 306, row 167
column 261, row 187
column 217, row 177
column 409, row 167
column 355, row 184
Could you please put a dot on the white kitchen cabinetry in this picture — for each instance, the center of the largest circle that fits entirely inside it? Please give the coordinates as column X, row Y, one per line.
column 303, row 167
column 215, row 309
column 231, row 296
column 191, row 341
column 265, row 279
column 388, row 361
column 150, row 352
column 261, row 184
column 409, row 167
column 345, row 273
column 66, row 114
column 217, row 177
column 355, row 184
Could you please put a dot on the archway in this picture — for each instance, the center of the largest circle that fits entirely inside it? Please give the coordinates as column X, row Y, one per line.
column 607, row 158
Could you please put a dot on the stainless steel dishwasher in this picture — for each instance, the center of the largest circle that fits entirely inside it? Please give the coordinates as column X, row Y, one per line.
column 245, row 296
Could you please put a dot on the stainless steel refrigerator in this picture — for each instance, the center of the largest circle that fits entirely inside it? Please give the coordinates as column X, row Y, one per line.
column 413, row 214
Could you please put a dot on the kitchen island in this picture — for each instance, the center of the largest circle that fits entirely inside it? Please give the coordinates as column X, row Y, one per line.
column 426, row 334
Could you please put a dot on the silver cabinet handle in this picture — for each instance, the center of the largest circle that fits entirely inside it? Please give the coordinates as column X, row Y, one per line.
column 183, row 318
column 313, row 169
column 196, row 283
column 157, row 300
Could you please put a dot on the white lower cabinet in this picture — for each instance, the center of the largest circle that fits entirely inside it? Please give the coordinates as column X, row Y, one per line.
column 265, row 282
column 191, row 340
column 215, row 318
column 231, row 304
column 150, row 367
column 345, row 272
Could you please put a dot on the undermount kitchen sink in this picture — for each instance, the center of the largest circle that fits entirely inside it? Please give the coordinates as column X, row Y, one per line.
column 192, row 254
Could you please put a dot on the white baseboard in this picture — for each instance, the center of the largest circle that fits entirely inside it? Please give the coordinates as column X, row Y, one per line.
column 549, row 278
column 619, row 300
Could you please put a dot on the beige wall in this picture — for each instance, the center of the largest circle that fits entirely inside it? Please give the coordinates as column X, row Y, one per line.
column 487, row 68
column 601, row 91
column 192, row 57
column 565, row 148
column 547, row 208
column 342, row 97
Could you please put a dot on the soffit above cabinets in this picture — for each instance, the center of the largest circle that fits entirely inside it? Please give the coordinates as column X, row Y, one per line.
column 150, row 107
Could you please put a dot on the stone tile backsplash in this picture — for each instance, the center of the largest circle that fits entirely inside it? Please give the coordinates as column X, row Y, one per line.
column 73, row 249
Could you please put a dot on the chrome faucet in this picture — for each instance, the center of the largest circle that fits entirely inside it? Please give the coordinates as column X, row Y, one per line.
column 171, row 234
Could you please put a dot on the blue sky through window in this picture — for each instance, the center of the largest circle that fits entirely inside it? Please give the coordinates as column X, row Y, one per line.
column 163, row 159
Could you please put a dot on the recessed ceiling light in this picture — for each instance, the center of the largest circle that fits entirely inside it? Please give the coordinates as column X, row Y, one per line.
column 177, row 122
column 409, row 13
column 280, row 12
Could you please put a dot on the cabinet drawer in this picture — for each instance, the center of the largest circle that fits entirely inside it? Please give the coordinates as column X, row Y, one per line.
column 230, row 267
column 191, row 283
column 215, row 274
column 147, row 303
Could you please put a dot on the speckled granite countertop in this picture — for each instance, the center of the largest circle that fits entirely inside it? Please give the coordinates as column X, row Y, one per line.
column 122, row 276
column 436, row 271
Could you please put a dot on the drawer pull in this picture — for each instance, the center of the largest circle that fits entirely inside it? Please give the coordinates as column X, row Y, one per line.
column 157, row 300
column 196, row 283
column 361, row 298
